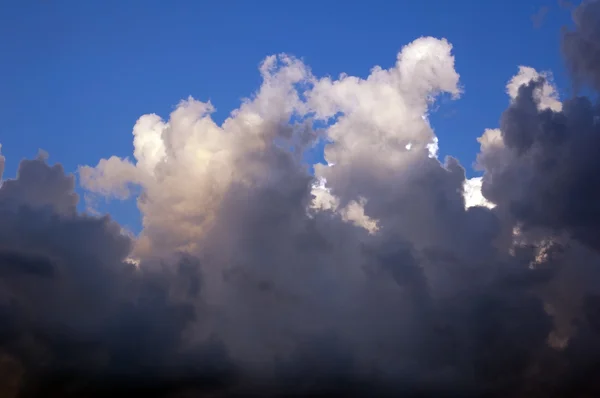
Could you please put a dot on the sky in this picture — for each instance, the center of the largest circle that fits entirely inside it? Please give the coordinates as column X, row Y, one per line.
column 271, row 199
column 77, row 75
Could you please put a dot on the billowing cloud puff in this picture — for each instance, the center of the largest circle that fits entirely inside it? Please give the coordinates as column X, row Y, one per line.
column 187, row 164
column 545, row 94
column 385, row 272
column 473, row 195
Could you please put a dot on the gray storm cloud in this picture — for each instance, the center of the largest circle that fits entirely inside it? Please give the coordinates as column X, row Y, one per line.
column 386, row 272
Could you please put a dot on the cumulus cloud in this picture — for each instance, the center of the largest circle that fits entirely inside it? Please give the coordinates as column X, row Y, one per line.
column 546, row 95
column 186, row 165
column 76, row 315
column 540, row 170
column 493, row 150
column 541, row 163
column 385, row 272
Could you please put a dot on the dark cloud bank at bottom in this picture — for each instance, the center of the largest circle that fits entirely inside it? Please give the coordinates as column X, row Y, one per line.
column 78, row 320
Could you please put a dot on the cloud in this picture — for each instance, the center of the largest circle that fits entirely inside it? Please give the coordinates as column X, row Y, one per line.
column 539, row 169
column 373, row 120
column 353, row 212
column 473, row 195
column 581, row 46
column 538, row 18
column 75, row 314
column 494, row 153
column 545, row 94
column 187, row 164
column 565, row 4
column 385, row 272
column 2, row 161
column 541, row 163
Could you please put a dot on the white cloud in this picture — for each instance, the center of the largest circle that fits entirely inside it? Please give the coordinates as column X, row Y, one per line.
column 547, row 95
column 185, row 165
column 473, row 195
column 373, row 121
column 353, row 212
column 386, row 111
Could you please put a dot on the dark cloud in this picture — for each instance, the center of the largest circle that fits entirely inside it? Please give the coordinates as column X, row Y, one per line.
column 79, row 320
column 38, row 185
column 581, row 46
column 552, row 179
column 544, row 176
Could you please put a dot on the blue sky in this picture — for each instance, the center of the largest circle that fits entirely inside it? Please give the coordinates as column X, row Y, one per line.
column 75, row 75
